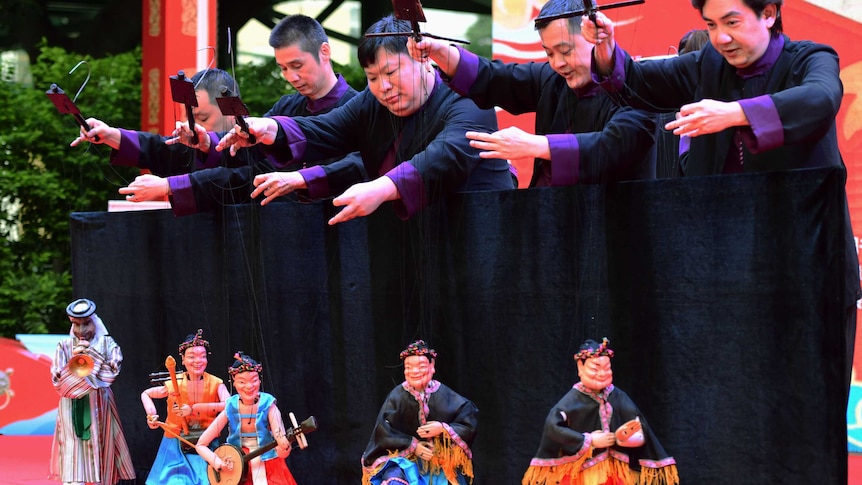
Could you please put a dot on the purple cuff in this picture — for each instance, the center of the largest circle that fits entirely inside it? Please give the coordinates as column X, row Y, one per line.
column 411, row 189
column 565, row 159
column 295, row 141
column 182, row 196
column 213, row 157
column 617, row 78
column 129, row 154
column 684, row 144
column 465, row 73
column 765, row 129
column 316, row 182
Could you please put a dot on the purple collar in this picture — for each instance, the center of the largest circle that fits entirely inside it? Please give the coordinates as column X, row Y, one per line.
column 590, row 89
column 766, row 61
column 322, row 104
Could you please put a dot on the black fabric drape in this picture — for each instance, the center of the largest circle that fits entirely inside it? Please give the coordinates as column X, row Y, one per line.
column 721, row 297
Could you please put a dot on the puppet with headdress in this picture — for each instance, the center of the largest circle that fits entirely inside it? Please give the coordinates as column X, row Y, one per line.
column 596, row 434
column 424, row 429
column 89, row 444
column 191, row 406
column 254, row 421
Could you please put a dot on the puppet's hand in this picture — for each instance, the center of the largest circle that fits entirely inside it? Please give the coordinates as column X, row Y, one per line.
column 182, row 411
column 630, row 434
column 429, row 430
column 81, row 347
column 152, row 421
column 284, row 447
column 425, row 450
column 603, row 439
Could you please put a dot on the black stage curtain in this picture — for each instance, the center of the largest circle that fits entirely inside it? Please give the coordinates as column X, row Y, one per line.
column 720, row 295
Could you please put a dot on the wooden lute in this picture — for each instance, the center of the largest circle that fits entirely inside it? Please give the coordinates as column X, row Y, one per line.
column 236, row 462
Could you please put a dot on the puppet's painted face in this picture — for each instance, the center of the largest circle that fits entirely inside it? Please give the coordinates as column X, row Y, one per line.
column 736, row 32
column 418, row 371
column 307, row 74
column 247, row 385
column 596, row 373
column 568, row 53
column 195, row 361
column 398, row 82
column 83, row 328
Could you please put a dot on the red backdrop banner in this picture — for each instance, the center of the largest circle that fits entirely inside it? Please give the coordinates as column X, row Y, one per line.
column 177, row 35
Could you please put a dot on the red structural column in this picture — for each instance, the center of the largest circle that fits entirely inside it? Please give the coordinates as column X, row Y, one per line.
column 177, row 35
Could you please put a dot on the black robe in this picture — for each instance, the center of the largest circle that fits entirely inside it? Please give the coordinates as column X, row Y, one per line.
column 432, row 140
column 803, row 83
column 399, row 418
column 231, row 182
column 565, row 440
column 615, row 143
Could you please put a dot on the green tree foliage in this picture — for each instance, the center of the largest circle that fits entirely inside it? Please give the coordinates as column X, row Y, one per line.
column 43, row 180
column 479, row 35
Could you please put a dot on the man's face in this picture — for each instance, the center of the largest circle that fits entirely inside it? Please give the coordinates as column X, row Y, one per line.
column 247, row 385
column 83, row 328
column 195, row 360
column 418, row 371
column 596, row 373
column 209, row 115
column 568, row 54
column 397, row 81
column 736, row 31
column 303, row 71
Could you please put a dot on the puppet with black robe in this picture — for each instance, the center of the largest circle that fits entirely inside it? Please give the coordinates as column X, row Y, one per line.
column 424, row 429
column 596, row 434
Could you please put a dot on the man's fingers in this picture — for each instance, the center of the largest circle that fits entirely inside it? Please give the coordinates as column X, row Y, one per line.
column 342, row 216
column 269, row 199
column 262, row 183
column 479, row 136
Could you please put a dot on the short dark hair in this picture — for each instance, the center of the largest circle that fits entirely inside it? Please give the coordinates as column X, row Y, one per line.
column 394, row 44
column 299, row 30
column 212, row 81
column 758, row 6
column 561, row 7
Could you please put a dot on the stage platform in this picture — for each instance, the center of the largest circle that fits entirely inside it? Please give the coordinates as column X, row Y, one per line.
column 24, row 461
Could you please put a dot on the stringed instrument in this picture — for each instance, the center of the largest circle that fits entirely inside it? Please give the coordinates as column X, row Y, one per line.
column 236, row 462
column 171, row 365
